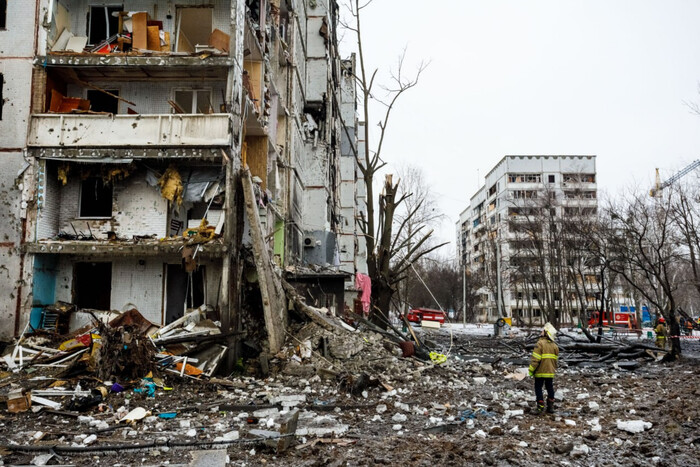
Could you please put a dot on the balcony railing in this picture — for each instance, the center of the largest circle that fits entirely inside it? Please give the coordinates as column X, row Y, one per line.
column 154, row 130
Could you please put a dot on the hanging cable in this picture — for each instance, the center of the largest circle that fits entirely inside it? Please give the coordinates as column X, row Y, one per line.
column 438, row 304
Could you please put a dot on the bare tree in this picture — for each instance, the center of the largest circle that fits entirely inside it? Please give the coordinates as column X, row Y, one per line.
column 685, row 211
column 536, row 250
column 418, row 211
column 647, row 252
column 384, row 264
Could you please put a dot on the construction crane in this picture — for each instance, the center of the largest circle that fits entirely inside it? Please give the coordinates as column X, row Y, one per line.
column 658, row 186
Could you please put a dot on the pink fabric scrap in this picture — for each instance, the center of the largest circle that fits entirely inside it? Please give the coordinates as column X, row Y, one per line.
column 364, row 283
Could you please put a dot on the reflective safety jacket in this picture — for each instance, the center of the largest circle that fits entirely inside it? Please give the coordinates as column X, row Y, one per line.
column 660, row 332
column 543, row 363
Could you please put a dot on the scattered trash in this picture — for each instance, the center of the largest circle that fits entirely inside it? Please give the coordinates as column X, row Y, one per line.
column 18, row 402
column 138, row 413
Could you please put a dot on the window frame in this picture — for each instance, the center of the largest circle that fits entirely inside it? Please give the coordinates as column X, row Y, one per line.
column 194, row 92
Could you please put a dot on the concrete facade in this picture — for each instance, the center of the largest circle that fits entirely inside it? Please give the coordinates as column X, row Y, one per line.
column 17, row 45
column 86, row 213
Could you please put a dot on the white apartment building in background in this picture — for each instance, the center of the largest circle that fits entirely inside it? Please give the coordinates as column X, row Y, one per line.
column 492, row 245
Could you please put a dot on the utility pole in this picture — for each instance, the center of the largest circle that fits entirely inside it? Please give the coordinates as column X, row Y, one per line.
column 499, row 285
column 464, row 295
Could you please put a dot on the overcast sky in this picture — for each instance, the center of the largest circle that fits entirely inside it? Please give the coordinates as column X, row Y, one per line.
column 602, row 77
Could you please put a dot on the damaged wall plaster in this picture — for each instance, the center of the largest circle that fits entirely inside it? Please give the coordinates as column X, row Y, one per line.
column 138, row 209
column 16, row 55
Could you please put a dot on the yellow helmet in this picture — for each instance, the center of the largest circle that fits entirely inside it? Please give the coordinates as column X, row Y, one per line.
column 550, row 330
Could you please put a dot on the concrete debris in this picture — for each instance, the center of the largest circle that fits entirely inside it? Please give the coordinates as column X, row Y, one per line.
column 633, row 426
column 474, row 400
column 580, row 450
column 42, row 459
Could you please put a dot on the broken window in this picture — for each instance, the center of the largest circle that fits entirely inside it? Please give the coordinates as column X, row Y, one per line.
column 3, row 15
column 102, row 23
column 95, row 198
column 194, row 26
column 194, row 101
column 524, row 178
column 92, row 285
column 183, row 290
column 101, row 102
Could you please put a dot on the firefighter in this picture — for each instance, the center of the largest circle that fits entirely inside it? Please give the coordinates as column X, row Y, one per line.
column 543, row 365
column 661, row 333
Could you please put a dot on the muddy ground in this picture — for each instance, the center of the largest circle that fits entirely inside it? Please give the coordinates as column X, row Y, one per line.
column 463, row 412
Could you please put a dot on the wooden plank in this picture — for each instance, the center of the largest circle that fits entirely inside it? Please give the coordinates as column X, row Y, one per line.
column 166, row 47
column 255, row 74
column 220, row 40
column 152, row 38
column 270, row 285
column 256, row 157
column 140, row 36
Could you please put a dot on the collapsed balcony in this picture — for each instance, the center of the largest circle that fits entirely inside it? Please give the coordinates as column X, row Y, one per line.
column 80, row 28
column 129, row 232
column 128, row 207
column 103, row 107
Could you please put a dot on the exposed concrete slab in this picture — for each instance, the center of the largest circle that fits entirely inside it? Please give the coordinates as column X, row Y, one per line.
column 213, row 458
column 153, row 248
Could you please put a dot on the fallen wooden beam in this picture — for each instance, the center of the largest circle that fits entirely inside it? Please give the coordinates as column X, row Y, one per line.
column 274, row 310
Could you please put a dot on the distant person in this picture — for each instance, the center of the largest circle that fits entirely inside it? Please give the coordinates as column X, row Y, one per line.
column 661, row 333
column 689, row 327
column 543, row 365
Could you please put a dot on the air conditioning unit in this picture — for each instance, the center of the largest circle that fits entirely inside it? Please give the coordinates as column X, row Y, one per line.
column 311, row 241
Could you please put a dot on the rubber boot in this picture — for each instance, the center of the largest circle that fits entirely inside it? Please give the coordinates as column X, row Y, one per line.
column 540, row 407
column 550, row 405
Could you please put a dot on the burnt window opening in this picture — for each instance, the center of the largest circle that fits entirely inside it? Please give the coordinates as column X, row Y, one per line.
column 95, row 198
column 3, row 17
column 102, row 23
column 183, row 290
column 101, row 102
column 92, row 285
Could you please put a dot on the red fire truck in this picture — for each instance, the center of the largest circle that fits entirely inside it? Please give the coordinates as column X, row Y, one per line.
column 625, row 319
column 416, row 315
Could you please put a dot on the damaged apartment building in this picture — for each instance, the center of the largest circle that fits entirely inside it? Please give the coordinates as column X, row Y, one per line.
column 165, row 156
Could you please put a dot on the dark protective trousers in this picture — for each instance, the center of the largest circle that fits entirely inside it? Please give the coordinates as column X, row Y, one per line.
column 548, row 383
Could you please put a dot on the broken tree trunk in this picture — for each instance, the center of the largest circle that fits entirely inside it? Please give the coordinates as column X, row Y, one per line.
column 270, row 290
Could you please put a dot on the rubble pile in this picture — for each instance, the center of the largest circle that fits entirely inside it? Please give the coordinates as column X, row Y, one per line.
column 335, row 395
